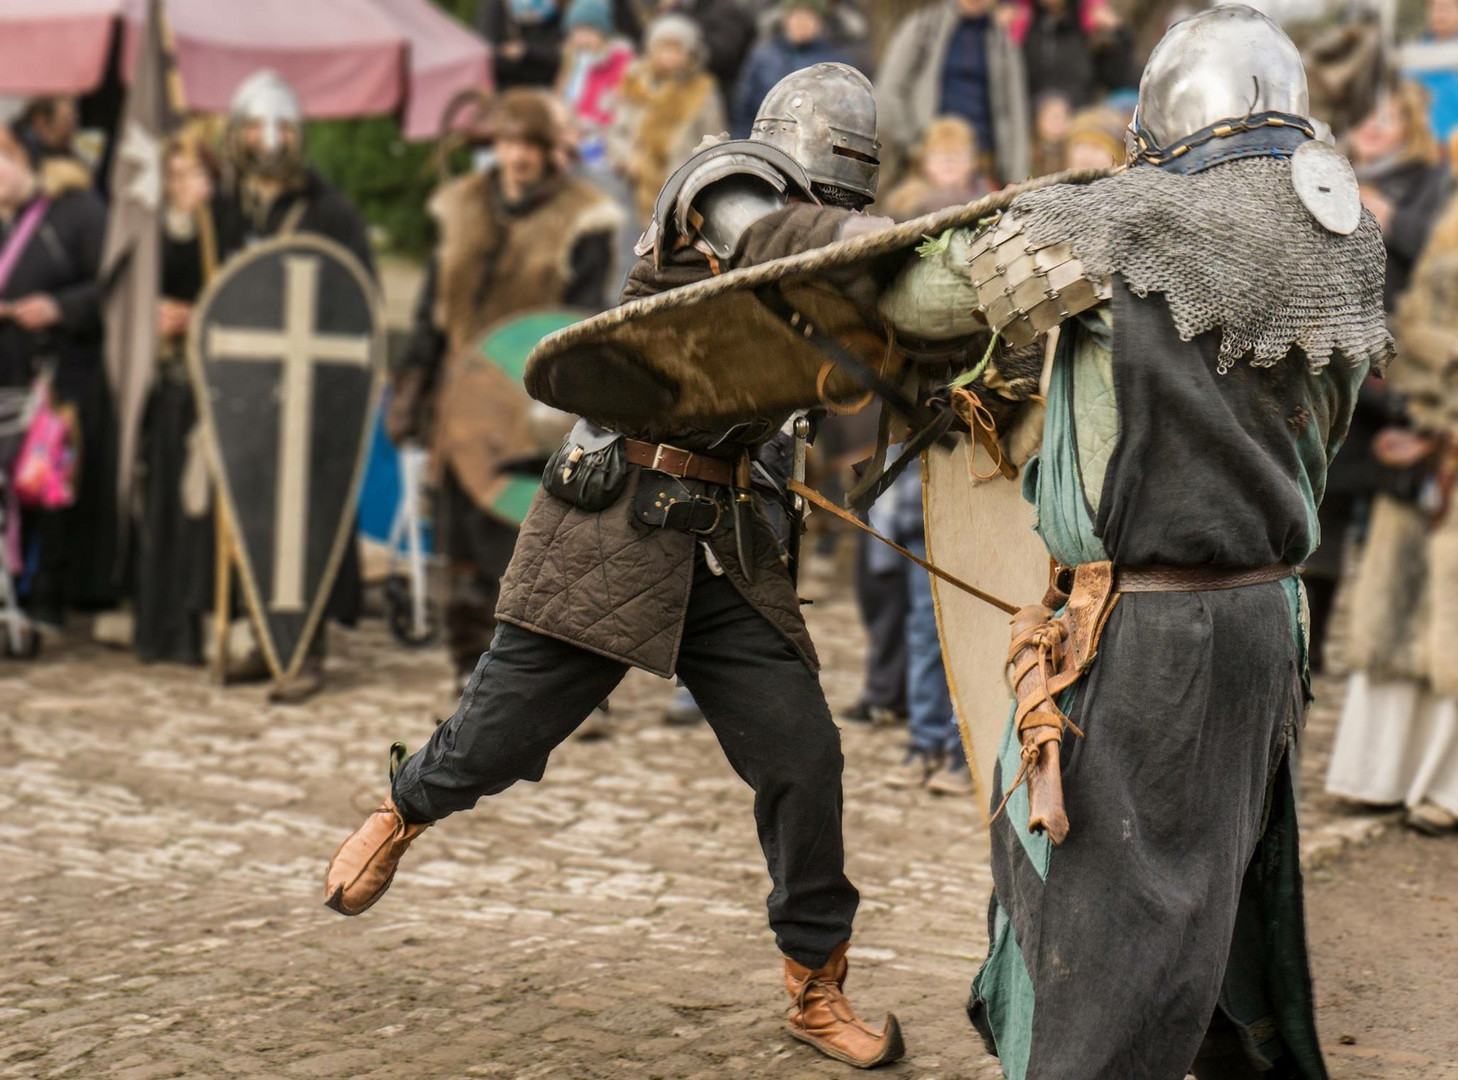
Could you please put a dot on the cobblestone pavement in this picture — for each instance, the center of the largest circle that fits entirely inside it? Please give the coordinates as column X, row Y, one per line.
column 164, row 842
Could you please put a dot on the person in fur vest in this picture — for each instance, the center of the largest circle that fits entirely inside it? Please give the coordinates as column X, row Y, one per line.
column 668, row 103
column 1398, row 739
column 521, row 235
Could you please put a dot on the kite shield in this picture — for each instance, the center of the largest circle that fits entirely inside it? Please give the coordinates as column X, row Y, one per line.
column 982, row 532
column 285, row 352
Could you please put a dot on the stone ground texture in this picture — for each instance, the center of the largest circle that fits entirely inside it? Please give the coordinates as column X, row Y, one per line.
column 164, row 842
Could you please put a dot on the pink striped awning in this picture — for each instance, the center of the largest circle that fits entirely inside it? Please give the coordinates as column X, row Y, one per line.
column 445, row 58
column 54, row 46
column 345, row 57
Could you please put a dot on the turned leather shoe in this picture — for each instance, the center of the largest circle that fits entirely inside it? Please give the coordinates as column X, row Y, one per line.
column 821, row 1015
column 365, row 863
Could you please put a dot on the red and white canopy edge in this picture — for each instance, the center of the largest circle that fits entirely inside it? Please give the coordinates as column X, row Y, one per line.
column 346, row 58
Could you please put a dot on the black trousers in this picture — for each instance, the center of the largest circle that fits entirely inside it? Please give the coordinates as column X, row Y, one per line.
column 530, row 692
column 883, row 600
column 477, row 547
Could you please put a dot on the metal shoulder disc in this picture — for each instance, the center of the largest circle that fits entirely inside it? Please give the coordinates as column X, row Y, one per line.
column 1327, row 186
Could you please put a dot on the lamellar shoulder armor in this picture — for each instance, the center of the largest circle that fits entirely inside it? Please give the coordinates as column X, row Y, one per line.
column 718, row 193
column 1025, row 288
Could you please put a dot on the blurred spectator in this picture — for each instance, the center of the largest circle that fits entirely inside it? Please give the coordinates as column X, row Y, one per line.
column 846, row 27
column 795, row 40
column 947, row 172
column 1077, row 48
column 52, row 227
column 1402, row 179
column 728, row 31
column 527, row 38
column 1433, row 62
column 47, row 127
column 521, row 235
column 955, row 58
column 1095, row 139
column 1398, row 738
column 594, row 64
column 669, row 102
column 935, row 757
column 1403, row 184
column 172, row 547
column 881, row 597
column 1051, row 116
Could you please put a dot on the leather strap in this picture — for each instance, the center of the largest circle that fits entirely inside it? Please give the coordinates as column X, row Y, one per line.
column 1195, row 578
column 811, row 495
column 684, row 464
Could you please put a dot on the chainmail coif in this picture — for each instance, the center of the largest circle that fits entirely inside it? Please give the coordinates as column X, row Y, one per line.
column 1232, row 249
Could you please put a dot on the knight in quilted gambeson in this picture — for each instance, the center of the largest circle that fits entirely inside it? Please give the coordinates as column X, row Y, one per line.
column 676, row 570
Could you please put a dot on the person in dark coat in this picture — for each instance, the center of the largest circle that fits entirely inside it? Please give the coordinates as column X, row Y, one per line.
column 1403, row 180
column 528, row 38
column 1077, row 54
column 50, row 323
column 798, row 39
column 172, row 552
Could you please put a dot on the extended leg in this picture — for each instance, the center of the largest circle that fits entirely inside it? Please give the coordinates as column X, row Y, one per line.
column 527, row 694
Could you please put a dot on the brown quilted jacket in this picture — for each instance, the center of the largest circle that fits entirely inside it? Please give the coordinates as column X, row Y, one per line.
column 607, row 583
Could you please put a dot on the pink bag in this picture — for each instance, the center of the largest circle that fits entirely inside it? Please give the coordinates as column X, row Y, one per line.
column 44, row 477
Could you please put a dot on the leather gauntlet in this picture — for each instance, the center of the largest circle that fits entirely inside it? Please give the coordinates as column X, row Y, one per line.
column 1048, row 655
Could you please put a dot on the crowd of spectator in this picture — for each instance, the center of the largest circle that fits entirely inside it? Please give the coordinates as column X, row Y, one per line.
column 971, row 95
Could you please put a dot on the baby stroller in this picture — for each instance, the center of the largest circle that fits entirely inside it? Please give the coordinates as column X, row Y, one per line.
column 17, row 636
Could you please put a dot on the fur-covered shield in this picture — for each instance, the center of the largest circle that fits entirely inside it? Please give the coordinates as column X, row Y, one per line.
column 718, row 351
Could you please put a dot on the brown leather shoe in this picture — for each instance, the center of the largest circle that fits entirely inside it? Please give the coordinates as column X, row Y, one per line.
column 365, row 863
column 821, row 1015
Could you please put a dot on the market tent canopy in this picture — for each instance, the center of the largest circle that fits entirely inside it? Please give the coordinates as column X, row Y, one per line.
column 345, row 57
column 54, row 46
column 445, row 58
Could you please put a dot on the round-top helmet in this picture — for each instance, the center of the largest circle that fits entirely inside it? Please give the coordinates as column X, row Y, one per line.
column 824, row 116
column 265, row 102
column 1227, row 63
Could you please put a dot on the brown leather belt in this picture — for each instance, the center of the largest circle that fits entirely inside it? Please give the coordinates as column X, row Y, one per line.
column 1195, row 578
column 684, row 464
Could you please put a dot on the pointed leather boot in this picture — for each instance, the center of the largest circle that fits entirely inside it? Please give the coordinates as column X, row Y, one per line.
column 365, row 863
column 821, row 1015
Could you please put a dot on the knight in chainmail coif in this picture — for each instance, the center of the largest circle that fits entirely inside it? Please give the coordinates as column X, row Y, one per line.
column 1218, row 305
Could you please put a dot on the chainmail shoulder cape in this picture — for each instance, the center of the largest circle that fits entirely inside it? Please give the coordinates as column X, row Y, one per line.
column 1233, row 249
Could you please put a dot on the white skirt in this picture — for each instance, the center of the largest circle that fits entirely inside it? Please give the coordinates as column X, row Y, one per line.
column 1397, row 743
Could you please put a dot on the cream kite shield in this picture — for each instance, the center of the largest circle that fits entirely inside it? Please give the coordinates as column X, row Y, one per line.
column 285, row 352
column 980, row 529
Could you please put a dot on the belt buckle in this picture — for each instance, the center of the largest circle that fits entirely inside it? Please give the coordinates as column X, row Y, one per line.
column 658, row 460
column 718, row 516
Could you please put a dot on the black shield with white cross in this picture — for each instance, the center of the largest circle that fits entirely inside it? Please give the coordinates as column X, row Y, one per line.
column 285, row 352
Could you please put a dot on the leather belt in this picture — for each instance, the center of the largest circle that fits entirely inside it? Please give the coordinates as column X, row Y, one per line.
column 1195, row 578
column 684, row 464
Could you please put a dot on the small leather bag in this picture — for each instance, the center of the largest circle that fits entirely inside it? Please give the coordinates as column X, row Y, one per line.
column 666, row 502
column 590, row 468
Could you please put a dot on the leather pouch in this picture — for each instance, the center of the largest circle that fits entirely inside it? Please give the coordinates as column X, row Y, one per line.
column 666, row 502
column 590, row 468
